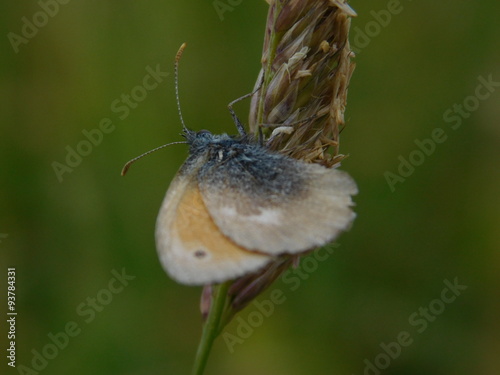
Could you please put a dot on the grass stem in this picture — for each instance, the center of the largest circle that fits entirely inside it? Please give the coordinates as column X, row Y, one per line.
column 211, row 328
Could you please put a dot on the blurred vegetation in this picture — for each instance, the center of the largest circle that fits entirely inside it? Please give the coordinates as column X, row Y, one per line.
column 65, row 238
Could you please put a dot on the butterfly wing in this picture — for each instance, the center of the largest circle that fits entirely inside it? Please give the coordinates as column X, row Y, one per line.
column 190, row 246
column 274, row 204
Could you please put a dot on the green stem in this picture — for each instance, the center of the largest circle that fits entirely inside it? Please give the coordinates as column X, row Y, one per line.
column 211, row 328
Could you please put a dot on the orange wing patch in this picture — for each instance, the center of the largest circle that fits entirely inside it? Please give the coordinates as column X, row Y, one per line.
column 198, row 232
column 192, row 249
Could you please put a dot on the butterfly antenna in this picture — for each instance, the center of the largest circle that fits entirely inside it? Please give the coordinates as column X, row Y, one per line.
column 176, row 76
column 130, row 162
column 176, row 79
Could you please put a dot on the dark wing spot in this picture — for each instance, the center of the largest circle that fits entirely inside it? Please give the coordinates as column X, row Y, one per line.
column 200, row 254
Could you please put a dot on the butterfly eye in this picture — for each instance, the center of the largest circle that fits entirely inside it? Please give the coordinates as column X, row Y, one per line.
column 202, row 132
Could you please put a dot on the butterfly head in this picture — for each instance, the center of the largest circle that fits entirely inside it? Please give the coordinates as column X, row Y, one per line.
column 202, row 140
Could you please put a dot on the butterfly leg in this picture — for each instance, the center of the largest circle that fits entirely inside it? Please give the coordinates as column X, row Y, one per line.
column 236, row 120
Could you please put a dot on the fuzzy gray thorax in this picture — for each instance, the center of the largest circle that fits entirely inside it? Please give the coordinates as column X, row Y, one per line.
column 203, row 141
column 231, row 163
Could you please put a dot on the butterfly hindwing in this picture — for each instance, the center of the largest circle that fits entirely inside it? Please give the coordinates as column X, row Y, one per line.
column 273, row 204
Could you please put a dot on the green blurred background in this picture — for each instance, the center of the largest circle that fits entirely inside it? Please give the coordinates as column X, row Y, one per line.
column 65, row 238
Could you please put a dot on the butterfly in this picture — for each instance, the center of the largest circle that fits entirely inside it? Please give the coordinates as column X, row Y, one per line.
column 234, row 206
